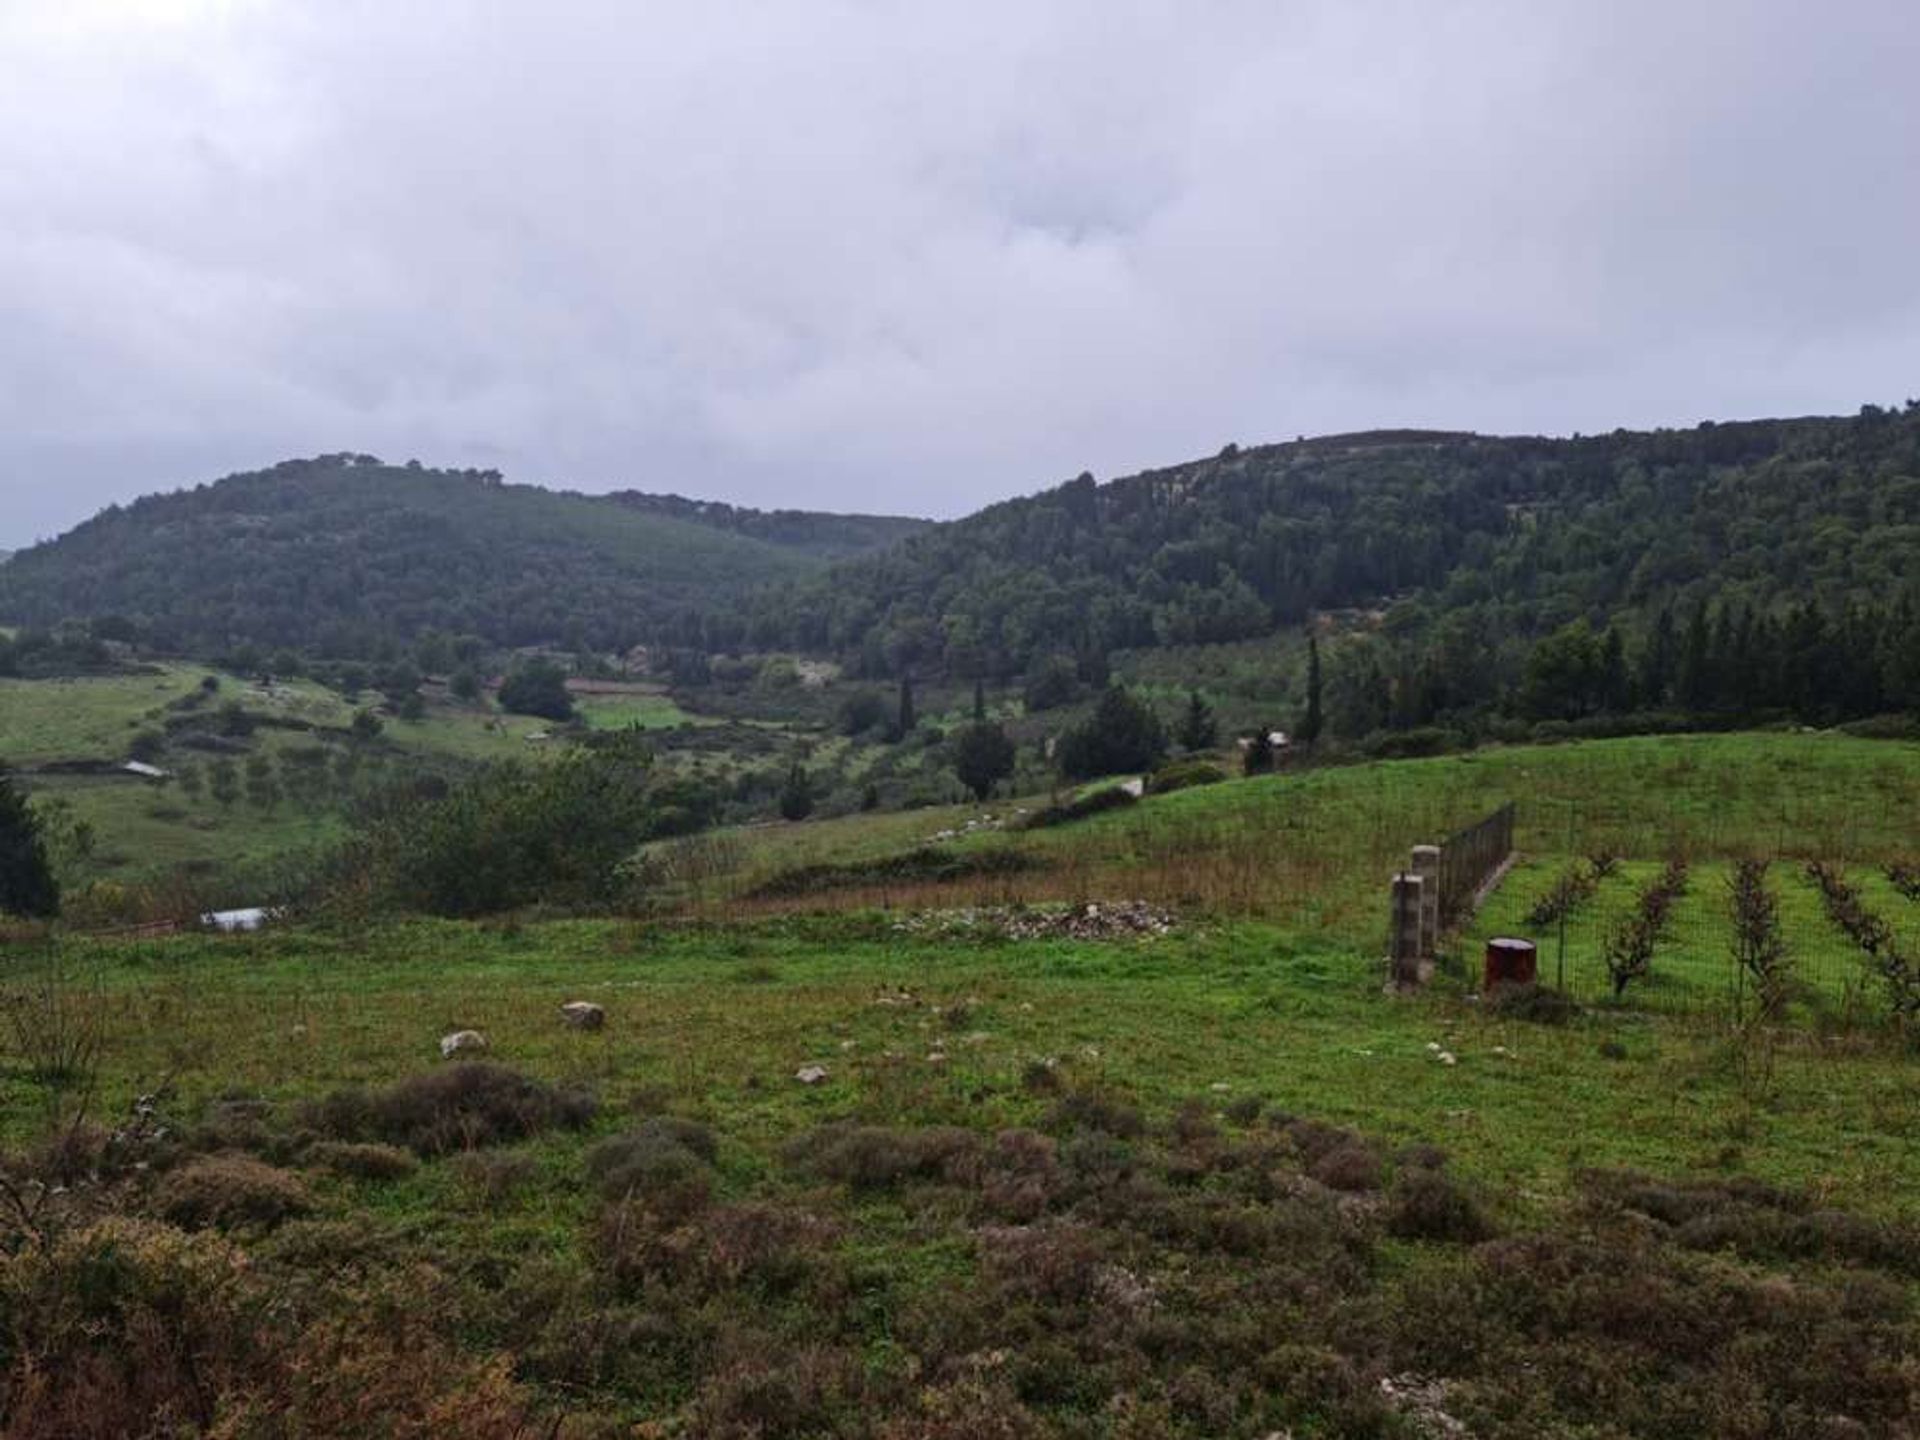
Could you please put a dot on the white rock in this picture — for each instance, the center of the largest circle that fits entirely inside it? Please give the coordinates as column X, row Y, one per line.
column 1433, row 1047
column 810, row 1074
column 583, row 1015
column 462, row 1042
column 1446, row 1057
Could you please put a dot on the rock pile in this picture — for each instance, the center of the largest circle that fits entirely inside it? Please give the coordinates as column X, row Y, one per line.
column 1105, row 920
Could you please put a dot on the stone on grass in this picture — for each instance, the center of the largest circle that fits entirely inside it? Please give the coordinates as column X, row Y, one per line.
column 810, row 1074
column 583, row 1015
column 462, row 1042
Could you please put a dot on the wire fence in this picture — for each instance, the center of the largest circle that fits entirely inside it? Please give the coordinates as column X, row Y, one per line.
column 1469, row 858
column 1663, row 933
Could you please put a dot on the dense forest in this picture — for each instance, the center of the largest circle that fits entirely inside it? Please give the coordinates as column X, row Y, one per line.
column 827, row 536
column 343, row 556
column 1751, row 568
column 1516, row 536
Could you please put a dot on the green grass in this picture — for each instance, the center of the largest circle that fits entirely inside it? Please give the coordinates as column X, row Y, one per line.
column 621, row 712
column 1314, row 850
column 723, row 1019
column 1277, row 999
column 83, row 718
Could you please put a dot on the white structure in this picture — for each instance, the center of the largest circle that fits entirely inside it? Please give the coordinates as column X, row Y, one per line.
column 145, row 771
column 233, row 921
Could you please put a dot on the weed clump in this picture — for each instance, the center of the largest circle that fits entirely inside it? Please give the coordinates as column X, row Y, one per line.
column 230, row 1190
column 1349, row 1167
column 461, row 1107
column 1535, row 1004
column 876, row 1157
column 666, row 1164
column 363, row 1161
column 1098, row 1110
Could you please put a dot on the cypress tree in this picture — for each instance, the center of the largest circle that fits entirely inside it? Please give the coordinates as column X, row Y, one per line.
column 1311, row 725
column 27, row 884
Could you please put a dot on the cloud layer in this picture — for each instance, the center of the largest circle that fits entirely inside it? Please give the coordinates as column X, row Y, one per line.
column 902, row 257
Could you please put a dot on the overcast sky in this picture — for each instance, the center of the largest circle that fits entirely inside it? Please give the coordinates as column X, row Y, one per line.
column 914, row 257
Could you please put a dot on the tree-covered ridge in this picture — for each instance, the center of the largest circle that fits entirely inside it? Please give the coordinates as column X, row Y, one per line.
column 1509, row 537
column 828, row 536
column 344, row 555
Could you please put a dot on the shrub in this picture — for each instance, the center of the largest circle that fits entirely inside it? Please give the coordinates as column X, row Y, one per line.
column 1184, row 775
column 665, row 1164
column 1121, row 734
column 1097, row 1110
column 1065, row 813
column 515, row 834
column 1413, row 744
column 1759, row 948
column 876, row 1157
column 228, row 1190
column 537, row 688
column 1348, row 1167
column 1568, row 893
column 1899, row 972
column 362, row 1161
column 767, row 1390
column 1628, row 948
column 459, row 1107
column 1428, row 1205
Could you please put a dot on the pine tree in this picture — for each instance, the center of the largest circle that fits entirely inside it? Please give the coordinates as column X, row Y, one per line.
column 979, row 703
column 906, row 719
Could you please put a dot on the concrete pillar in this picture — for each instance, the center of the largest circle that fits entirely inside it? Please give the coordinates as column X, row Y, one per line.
column 1426, row 864
column 1406, row 929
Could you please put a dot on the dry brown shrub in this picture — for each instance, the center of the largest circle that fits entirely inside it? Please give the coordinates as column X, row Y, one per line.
column 229, row 1190
column 767, row 1389
column 460, row 1107
column 877, row 1157
column 1348, row 1167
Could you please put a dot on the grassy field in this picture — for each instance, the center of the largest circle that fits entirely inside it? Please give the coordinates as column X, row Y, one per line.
column 143, row 830
column 1313, row 851
column 1210, row 1183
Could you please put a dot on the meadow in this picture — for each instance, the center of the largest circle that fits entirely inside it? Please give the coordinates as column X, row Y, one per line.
column 1208, row 1182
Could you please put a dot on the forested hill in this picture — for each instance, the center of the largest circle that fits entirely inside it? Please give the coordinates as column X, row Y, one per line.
column 1502, row 539
column 343, row 555
column 828, row 536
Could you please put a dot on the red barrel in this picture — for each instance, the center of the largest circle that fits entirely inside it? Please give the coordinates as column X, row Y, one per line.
column 1511, row 962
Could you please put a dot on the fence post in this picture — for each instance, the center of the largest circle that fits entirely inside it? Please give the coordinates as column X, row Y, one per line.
column 1407, row 905
column 1425, row 864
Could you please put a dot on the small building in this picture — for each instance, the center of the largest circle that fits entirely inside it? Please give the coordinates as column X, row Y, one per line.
column 145, row 771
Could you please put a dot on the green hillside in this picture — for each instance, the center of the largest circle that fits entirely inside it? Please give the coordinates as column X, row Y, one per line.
column 342, row 555
column 1455, row 555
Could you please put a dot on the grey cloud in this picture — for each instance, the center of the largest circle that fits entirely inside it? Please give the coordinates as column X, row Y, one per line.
column 906, row 257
